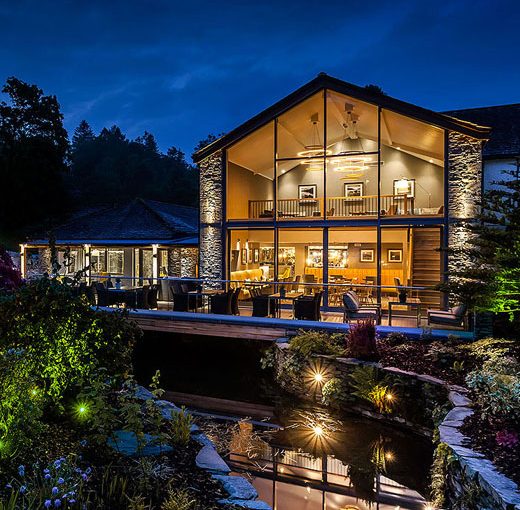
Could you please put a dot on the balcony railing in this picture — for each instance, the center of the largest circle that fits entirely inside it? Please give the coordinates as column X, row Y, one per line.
column 338, row 207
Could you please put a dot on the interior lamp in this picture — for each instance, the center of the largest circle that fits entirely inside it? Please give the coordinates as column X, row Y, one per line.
column 401, row 186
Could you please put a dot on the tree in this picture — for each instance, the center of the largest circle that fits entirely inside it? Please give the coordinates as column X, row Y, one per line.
column 110, row 168
column 490, row 280
column 206, row 141
column 376, row 89
column 82, row 134
column 33, row 158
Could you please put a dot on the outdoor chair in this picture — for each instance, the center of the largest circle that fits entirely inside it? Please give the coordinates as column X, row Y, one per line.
column 308, row 307
column 221, row 303
column 103, row 297
column 141, row 297
column 353, row 309
column 263, row 306
column 90, row 294
column 153, row 292
column 453, row 317
column 234, row 301
column 184, row 302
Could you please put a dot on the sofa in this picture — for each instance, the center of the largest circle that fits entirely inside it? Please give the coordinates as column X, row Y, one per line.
column 246, row 276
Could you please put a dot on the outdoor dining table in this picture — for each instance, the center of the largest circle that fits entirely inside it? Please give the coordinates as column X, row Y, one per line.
column 290, row 296
column 204, row 294
column 124, row 295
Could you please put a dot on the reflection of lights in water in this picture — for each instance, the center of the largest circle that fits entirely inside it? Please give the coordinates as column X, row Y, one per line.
column 308, row 489
column 318, row 430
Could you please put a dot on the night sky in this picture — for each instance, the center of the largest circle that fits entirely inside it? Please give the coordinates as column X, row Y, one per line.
column 183, row 70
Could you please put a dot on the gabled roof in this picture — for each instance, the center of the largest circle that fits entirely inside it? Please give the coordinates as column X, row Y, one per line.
column 138, row 222
column 324, row 81
column 505, row 123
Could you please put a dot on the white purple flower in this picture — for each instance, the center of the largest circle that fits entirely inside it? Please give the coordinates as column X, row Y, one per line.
column 47, row 503
column 54, row 491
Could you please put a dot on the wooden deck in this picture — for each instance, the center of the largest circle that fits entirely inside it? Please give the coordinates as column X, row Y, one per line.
column 264, row 328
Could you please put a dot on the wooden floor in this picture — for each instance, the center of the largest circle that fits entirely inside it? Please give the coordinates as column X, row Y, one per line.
column 334, row 317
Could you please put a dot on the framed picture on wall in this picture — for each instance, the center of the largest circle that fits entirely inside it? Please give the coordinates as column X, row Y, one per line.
column 404, row 187
column 395, row 255
column 354, row 191
column 244, row 255
column 307, row 191
column 366, row 255
column 256, row 255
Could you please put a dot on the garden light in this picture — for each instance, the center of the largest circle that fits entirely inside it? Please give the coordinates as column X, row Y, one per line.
column 389, row 396
column 317, row 430
column 318, row 377
column 81, row 410
column 389, row 456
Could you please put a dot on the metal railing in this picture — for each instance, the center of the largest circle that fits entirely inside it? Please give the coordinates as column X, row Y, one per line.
column 337, row 207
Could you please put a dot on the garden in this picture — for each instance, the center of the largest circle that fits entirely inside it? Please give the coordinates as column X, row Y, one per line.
column 76, row 431
column 405, row 382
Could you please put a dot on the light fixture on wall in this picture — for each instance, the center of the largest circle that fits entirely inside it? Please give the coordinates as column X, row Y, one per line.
column 315, row 149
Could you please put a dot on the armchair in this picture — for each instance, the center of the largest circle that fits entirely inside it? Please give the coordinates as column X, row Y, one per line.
column 453, row 317
column 353, row 309
column 308, row 307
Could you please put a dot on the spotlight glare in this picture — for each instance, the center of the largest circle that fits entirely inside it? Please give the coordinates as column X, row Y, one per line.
column 318, row 377
column 389, row 396
column 317, row 430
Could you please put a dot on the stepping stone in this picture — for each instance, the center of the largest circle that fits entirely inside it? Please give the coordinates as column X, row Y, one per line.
column 237, row 487
column 209, row 459
column 251, row 505
column 126, row 443
column 203, row 439
column 141, row 393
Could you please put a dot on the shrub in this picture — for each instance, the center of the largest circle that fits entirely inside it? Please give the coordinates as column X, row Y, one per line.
column 179, row 499
column 333, row 392
column 180, row 426
column 367, row 386
column 361, row 341
column 396, row 338
column 316, row 342
column 64, row 340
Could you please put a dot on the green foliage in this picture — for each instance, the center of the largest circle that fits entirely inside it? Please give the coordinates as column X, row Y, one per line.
column 489, row 280
column 21, row 403
column 364, row 381
column 333, row 392
column 178, row 499
column 33, row 157
column 311, row 342
column 179, row 426
column 489, row 348
column 65, row 341
column 128, row 169
column 439, row 472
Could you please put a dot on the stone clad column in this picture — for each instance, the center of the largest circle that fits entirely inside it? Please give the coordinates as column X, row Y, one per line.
column 464, row 193
column 211, row 247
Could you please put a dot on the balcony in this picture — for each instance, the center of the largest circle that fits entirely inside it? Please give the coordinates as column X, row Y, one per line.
column 340, row 208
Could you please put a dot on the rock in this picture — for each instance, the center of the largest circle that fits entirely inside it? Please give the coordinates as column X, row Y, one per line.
column 459, row 400
column 167, row 408
column 142, row 393
column 203, row 439
column 462, row 451
column 126, row 443
column 252, row 505
column 282, row 340
column 430, row 379
column 237, row 487
column 456, row 416
column 209, row 459
column 499, row 486
column 451, row 436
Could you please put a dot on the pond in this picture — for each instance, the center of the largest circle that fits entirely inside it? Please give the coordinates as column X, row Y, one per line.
column 302, row 457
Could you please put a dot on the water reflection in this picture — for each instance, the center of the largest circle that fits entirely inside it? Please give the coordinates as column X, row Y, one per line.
column 318, row 463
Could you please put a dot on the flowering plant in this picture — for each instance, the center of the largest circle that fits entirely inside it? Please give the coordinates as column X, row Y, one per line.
column 61, row 484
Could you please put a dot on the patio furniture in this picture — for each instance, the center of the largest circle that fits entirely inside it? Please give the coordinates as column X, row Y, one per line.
column 153, row 292
column 453, row 317
column 184, row 302
column 278, row 297
column 308, row 307
column 353, row 309
column 141, row 298
column 234, row 301
column 414, row 306
column 221, row 303
column 262, row 304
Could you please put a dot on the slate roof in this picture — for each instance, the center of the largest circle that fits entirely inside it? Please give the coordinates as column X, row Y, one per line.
column 505, row 123
column 138, row 222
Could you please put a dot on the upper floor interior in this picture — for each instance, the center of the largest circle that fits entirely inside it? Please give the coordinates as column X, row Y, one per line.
column 338, row 155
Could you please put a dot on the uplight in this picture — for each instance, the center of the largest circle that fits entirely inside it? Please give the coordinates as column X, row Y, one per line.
column 318, row 377
column 389, row 396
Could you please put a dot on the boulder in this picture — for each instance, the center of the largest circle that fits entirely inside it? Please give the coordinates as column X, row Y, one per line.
column 237, row 487
column 209, row 459
column 249, row 504
column 126, row 443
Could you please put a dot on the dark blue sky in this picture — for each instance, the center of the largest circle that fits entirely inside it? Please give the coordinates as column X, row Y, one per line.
column 183, row 70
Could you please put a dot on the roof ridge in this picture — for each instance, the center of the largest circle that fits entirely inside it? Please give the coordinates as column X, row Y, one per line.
column 508, row 105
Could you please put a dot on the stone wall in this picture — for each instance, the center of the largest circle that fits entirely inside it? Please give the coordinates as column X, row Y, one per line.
column 211, row 245
column 182, row 262
column 464, row 191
